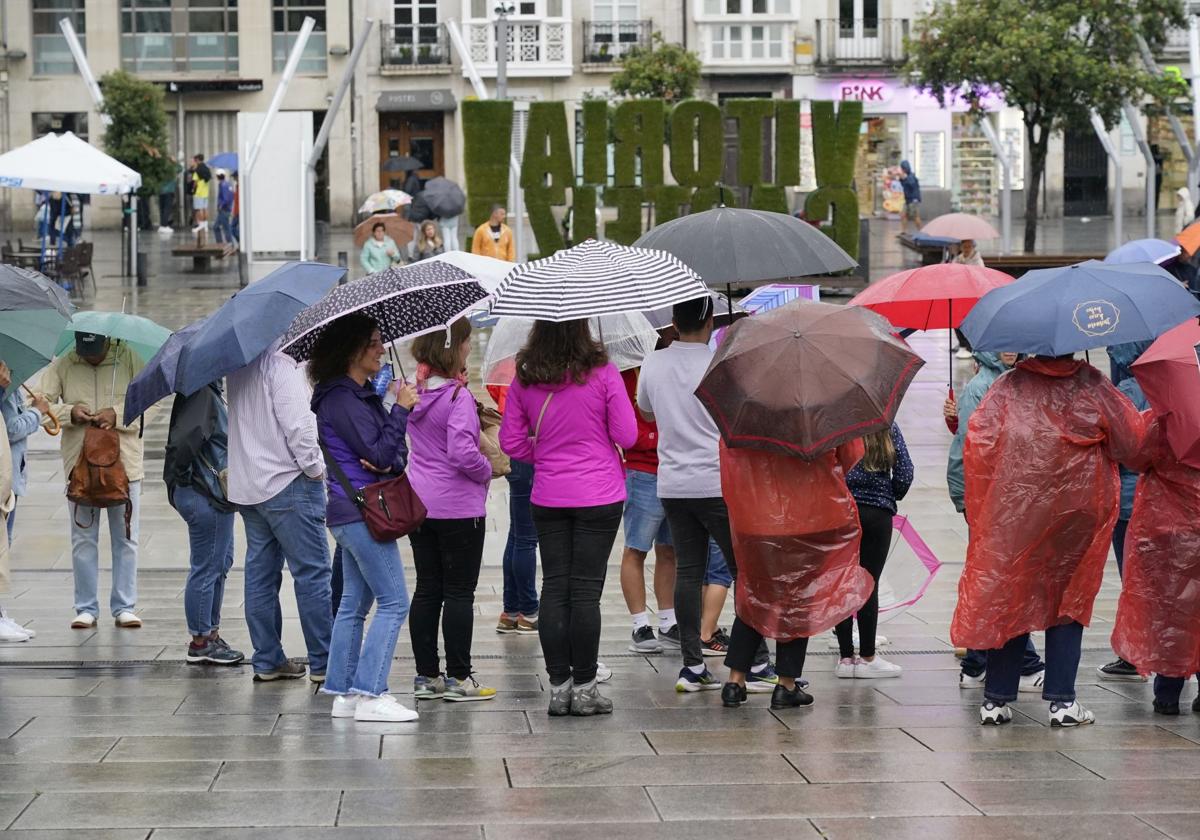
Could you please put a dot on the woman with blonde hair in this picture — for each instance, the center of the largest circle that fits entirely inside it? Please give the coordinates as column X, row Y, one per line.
column 428, row 242
column 878, row 481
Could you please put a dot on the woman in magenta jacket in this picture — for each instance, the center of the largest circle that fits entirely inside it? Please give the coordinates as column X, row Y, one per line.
column 567, row 413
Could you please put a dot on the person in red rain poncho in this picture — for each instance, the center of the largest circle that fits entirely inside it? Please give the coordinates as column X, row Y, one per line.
column 796, row 537
column 1041, row 500
column 1158, row 616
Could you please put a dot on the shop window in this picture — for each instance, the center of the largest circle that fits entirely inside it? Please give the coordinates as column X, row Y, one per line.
column 56, row 123
column 287, row 17
column 51, row 56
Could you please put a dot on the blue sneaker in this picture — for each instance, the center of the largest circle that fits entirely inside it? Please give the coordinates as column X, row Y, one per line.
column 762, row 682
column 690, row 681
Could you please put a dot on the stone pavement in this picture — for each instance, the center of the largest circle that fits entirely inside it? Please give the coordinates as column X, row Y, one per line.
column 107, row 731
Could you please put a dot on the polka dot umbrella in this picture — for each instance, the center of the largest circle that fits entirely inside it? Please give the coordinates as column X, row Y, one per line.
column 405, row 301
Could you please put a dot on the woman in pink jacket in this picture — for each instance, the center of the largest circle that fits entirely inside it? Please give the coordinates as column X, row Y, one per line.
column 567, row 413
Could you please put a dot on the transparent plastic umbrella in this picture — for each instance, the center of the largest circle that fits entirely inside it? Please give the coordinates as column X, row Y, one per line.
column 627, row 337
column 910, row 568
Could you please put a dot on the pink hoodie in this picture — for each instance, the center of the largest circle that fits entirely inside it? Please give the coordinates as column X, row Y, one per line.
column 576, row 462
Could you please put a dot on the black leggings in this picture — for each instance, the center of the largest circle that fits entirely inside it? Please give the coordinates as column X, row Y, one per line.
column 876, row 541
column 575, row 544
column 447, row 554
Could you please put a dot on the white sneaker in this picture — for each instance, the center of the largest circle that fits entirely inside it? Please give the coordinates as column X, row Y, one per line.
column 1032, row 683
column 163, row 229
column 127, row 618
column 383, row 709
column 844, row 670
column 1070, row 715
column 992, row 715
column 877, row 669
column 10, row 631
column 603, row 672
column 967, row 681
column 344, row 705
column 83, row 621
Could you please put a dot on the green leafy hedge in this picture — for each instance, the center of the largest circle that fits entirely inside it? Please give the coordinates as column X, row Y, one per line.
column 487, row 144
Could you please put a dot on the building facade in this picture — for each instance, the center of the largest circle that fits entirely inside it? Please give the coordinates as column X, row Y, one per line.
column 218, row 57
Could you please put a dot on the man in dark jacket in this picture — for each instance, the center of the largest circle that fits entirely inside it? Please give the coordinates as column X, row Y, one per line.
column 912, row 195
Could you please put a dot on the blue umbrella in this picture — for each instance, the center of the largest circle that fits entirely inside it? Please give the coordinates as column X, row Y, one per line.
column 250, row 321
column 225, row 160
column 1058, row 311
column 1156, row 251
column 157, row 379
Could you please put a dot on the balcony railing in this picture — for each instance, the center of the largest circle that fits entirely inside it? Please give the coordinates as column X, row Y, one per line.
column 862, row 42
column 606, row 42
column 535, row 47
column 1177, row 43
column 405, row 46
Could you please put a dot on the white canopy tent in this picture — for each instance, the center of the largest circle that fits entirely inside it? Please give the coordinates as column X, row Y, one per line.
column 64, row 163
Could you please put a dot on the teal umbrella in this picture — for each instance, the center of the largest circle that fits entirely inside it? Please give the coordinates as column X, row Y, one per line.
column 141, row 335
column 33, row 313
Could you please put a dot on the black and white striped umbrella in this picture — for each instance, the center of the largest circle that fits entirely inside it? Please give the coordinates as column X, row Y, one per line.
column 405, row 301
column 596, row 278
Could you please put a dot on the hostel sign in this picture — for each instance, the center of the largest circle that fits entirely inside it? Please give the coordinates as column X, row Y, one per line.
column 670, row 156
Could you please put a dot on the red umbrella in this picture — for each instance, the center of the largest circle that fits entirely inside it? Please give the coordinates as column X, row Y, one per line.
column 933, row 297
column 1169, row 373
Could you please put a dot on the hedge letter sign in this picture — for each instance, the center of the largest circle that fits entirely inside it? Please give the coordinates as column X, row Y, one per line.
column 672, row 157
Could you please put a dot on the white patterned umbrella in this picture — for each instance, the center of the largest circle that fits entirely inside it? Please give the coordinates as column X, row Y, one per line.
column 385, row 200
column 405, row 301
column 596, row 278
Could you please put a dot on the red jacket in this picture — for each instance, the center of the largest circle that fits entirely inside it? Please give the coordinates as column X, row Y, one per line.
column 643, row 455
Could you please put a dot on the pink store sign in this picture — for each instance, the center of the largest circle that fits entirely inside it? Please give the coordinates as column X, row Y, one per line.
column 875, row 92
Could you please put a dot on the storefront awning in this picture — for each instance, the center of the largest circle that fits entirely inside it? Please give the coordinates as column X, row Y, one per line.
column 416, row 100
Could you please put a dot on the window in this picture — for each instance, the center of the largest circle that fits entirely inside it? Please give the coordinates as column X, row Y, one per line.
column 733, row 43
column 167, row 36
column 287, row 18
column 417, row 30
column 50, row 52
column 57, row 123
column 739, row 8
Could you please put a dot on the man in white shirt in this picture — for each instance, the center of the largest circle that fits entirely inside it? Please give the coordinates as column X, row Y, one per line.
column 689, row 484
column 276, row 477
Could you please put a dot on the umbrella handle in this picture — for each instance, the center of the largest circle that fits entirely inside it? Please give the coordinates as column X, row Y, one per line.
column 52, row 427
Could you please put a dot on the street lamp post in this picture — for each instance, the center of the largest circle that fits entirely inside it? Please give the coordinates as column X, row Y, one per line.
column 503, row 10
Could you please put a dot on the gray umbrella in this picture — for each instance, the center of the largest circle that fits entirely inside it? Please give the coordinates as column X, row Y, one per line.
column 444, row 198
column 731, row 247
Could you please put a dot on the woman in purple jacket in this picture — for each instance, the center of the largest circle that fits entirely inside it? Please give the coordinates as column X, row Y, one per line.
column 567, row 413
column 366, row 441
column 451, row 476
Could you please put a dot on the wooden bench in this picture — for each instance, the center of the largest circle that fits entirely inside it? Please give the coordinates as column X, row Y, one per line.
column 1018, row 264
column 201, row 257
column 930, row 254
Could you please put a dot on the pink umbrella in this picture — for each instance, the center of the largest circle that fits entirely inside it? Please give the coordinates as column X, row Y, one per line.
column 960, row 226
column 910, row 568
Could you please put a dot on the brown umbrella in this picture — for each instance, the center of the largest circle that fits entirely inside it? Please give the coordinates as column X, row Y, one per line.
column 397, row 227
column 806, row 377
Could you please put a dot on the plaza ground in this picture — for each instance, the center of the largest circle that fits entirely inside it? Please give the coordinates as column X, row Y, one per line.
column 107, row 732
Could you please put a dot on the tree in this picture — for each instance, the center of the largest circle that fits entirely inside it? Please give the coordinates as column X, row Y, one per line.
column 137, row 135
column 659, row 71
column 1053, row 59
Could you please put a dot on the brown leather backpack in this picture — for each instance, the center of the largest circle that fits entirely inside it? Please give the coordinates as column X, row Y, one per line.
column 98, row 478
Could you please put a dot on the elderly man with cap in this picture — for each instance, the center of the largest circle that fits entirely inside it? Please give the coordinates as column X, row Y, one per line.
column 86, row 387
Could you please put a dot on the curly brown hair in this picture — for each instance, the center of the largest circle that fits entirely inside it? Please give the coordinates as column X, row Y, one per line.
column 555, row 351
column 338, row 345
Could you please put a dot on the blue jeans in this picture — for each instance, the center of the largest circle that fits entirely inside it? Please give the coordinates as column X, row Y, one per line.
column 12, row 517
column 1063, row 642
column 717, row 572
column 210, row 533
column 222, row 230
column 336, row 580
column 644, row 519
column 1118, row 542
column 85, row 554
column 372, row 573
column 520, row 552
column 290, row 525
column 975, row 662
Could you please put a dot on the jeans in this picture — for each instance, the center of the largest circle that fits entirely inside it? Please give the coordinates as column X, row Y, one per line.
column 644, row 519
column 85, row 554
column 166, row 209
column 336, row 580
column 291, row 526
column 745, row 643
column 520, row 552
column 1168, row 689
column 1118, row 542
column 222, row 229
column 575, row 543
column 448, row 554
column 1063, row 642
column 12, row 517
column 372, row 573
column 210, row 533
column 693, row 523
column 876, row 542
column 975, row 662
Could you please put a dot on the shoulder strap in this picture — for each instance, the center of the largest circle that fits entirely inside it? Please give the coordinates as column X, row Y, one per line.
column 541, row 414
column 332, row 465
